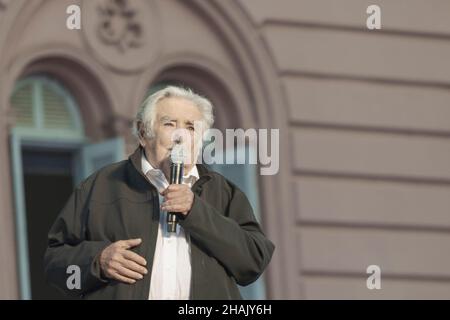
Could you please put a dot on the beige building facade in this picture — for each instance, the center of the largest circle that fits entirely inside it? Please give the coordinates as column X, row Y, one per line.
column 364, row 119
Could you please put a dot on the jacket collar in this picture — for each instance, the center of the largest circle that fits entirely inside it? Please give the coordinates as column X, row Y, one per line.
column 136, row 157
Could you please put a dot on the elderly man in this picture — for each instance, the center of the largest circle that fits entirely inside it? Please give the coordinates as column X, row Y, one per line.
column 114, row 225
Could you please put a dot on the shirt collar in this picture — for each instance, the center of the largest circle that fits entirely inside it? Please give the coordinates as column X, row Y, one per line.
column 148, row 168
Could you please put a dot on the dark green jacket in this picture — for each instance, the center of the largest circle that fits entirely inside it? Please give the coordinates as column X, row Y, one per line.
column 118, row 202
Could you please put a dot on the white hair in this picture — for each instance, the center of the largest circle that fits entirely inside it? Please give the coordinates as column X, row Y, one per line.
column 147, row 111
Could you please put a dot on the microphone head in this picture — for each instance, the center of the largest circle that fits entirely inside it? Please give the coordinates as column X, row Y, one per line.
column 177, row 154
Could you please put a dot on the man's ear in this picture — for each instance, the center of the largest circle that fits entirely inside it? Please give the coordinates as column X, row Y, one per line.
column 141, row 133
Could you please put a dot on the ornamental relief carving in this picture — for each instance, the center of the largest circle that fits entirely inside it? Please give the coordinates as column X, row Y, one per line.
column 122, row 34
column 4, row 4
column 119, row 27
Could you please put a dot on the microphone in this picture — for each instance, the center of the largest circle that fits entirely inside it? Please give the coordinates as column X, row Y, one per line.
column 176, row 177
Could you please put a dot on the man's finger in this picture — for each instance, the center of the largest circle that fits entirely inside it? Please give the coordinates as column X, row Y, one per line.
column 175, row 194
column 174, row 187
column 122, row 278
column 130, row 255
column 166, row 190
column 130, row 243
column 128, row 273
column 179, row 200
column 175, row 208
column 134, row 267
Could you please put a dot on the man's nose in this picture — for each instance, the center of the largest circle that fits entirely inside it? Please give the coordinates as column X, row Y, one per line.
column 180, row 135
column 178, row 139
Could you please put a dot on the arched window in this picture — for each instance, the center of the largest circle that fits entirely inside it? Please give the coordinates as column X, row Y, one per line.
column 43, row 107
column 50, row 154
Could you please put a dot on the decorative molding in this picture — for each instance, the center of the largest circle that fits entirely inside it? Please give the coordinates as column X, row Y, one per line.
column 122, row 34
column 119, row 26
column 4, row 4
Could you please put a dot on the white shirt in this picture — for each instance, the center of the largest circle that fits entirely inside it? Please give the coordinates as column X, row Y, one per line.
column 173, row 250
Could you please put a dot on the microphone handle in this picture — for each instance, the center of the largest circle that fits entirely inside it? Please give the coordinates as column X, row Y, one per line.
column 176, row 177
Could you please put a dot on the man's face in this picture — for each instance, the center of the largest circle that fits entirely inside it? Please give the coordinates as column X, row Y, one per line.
column 172, row 114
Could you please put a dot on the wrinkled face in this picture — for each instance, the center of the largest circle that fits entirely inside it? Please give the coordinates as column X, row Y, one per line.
column 173, row 114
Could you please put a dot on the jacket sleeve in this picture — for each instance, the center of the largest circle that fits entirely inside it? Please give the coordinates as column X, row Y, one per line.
column 68, row 246
column 235, row 238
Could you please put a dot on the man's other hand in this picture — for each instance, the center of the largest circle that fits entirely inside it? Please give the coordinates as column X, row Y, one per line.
column 178, row 198
column 119, row 263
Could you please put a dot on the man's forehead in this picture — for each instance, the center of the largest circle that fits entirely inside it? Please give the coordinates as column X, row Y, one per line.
column 180, row 109
column 165, row 117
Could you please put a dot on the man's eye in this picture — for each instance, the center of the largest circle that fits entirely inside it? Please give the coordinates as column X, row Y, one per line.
column 168, row 124
column 191, row 128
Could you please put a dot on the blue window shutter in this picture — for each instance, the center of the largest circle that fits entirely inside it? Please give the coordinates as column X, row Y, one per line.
column 97, row 155
column 21, row 220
